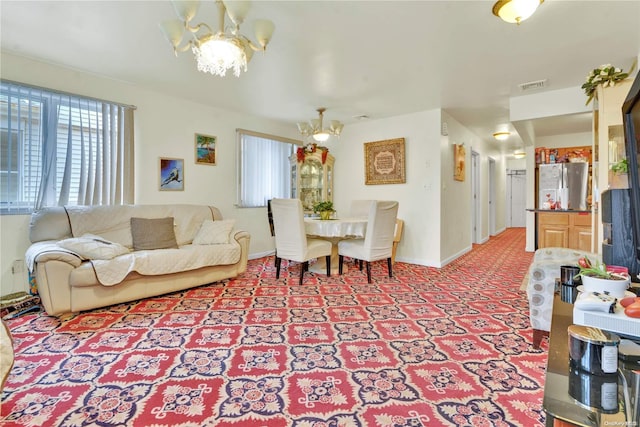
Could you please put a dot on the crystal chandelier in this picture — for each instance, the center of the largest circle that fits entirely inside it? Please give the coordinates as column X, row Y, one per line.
column 515, row 11
column 315, row 129
column 221, row 50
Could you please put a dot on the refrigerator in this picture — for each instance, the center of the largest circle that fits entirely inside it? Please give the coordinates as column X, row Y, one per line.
column 563, row 186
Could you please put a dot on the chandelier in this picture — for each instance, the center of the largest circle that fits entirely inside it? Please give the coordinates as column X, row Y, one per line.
column 315, row 129
column 515, row 11
column 220, row 50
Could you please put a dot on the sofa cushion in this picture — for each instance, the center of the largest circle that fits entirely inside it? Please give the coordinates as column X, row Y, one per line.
column 90, row 246
column 153, row 233
column 214, row 232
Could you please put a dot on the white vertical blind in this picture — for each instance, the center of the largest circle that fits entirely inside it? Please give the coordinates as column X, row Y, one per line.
column 65, row 150
column 264, row 168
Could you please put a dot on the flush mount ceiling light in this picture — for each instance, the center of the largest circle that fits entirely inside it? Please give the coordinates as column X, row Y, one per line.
column 315, row 129
column 501, row 136
column 519, row 154
column 515, row 11
column 220, row 50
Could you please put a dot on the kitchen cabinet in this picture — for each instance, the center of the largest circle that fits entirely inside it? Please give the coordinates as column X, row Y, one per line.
column 564, row 229
column 312, row 177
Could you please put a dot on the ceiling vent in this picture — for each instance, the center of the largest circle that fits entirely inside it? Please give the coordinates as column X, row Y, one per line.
column 538, row 84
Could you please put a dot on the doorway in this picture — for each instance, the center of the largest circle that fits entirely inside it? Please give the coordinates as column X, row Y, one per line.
column 475, row 198
column 492, row 197
column 516, row 197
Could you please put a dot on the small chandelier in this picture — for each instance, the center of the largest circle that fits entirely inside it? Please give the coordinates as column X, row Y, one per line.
column 515, row 11
column 315, row 129
column 221, row 50
column 502, row 135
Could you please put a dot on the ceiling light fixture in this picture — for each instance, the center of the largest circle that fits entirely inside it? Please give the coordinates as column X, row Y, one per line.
column 220, row 50
column 315, row 129
column 515, row 11
column 519, row 154
column 501, row 136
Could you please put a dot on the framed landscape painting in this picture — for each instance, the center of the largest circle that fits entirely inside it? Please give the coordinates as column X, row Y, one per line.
column 171, row 174
column 205, row 147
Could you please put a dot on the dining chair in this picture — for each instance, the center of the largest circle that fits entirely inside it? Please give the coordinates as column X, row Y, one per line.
column 360, row 208
column 378, row 241
column 292, row 242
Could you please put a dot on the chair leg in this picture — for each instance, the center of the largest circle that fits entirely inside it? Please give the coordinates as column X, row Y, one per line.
column 360, row 264
column 278, row 262
column 390, row 267
column 304, row 267
column 537, row 337
column 328, row 265
column 340, row 261
column 368, row 271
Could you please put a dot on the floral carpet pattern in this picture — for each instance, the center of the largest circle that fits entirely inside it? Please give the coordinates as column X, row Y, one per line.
column 428, row 347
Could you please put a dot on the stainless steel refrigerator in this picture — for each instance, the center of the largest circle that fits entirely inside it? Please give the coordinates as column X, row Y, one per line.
column 563, row 186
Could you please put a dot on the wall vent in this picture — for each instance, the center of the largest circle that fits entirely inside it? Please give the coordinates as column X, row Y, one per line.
column 538, row 84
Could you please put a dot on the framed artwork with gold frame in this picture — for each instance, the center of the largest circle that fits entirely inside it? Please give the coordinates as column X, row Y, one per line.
column 384, row 162
column 171, row 174
column 459, row 154
column 205, row 148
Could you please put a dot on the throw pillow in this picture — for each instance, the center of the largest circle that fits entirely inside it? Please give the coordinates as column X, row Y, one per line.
column 153, row 233
column 214, row 232
column 89, row 246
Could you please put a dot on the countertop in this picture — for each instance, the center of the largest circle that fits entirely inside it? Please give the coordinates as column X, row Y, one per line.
column 558, row 211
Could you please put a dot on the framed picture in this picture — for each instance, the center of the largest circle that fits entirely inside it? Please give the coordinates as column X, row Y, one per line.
column 205, row 149
column 384, row 162
column 459, row 155
column 171, row 174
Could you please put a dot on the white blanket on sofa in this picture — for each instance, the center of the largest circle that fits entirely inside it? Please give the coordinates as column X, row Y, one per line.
column 165, row 261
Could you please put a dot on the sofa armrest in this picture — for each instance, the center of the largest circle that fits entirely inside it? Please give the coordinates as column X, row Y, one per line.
column 48, row 250
column 239, row 235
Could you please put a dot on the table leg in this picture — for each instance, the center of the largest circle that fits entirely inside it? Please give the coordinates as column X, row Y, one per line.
column 320, row 266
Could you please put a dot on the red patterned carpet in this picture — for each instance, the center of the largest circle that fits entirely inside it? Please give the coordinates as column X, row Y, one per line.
column 429, row 347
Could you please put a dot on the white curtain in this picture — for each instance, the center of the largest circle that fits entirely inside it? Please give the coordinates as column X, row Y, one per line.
column 264, row 169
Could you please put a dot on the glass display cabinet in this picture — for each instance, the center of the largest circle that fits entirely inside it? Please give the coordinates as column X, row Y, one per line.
column 312, row 177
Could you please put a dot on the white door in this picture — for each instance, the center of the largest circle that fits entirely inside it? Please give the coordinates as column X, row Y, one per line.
column 492, row 197
column 476, row 228
column 516, row 193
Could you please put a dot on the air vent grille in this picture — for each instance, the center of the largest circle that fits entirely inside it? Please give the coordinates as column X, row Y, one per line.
column 538, row 84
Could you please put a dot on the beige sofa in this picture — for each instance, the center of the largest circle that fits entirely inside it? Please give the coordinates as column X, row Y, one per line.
column 85, row 257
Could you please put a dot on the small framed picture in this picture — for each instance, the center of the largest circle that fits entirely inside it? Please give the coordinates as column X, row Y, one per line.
column 171, row 174
column 205, row 148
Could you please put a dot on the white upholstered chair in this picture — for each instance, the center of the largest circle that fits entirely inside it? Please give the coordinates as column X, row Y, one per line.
column 291, row 240
column 360, row 208
column 543, row 272
column 378, row 241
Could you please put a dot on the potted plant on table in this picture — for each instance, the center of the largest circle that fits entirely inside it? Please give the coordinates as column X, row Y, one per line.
column 619, row 176
column 325, row 209
column 597, row 278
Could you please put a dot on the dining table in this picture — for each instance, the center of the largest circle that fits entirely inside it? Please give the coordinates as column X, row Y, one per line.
column 334, row 230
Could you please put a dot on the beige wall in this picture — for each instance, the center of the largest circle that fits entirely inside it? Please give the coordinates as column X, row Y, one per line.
column 419, row 197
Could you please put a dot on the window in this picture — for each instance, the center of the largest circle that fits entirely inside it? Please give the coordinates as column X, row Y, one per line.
column 59, row 149
column 264, row 171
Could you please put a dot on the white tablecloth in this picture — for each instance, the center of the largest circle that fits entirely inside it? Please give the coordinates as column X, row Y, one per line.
column 344, row 227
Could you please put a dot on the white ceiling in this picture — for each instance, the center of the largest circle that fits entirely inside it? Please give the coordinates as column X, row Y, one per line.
column 374, row 58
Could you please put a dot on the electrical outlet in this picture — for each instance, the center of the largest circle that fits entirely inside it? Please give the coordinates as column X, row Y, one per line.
column 17, row 266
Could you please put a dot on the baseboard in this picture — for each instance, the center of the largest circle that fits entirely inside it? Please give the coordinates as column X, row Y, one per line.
column 456, row 256
column 261, row 254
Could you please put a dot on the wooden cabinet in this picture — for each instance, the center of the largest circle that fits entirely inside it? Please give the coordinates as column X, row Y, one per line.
column 565, row 230
column 312, row 178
